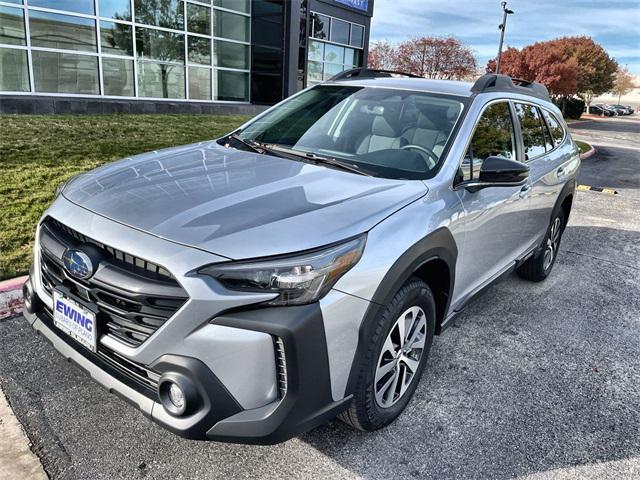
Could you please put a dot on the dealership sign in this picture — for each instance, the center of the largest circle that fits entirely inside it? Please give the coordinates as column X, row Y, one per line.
column 359, row 4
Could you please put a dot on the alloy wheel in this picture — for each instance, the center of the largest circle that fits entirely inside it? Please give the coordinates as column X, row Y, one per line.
column 400, row 357
column 551, row 249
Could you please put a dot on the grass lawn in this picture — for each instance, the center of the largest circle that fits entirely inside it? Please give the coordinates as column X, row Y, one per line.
column 38, row 152
column 583, row 146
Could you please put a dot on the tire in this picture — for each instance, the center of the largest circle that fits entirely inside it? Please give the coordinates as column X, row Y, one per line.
column 539, row 266
column 369, row 411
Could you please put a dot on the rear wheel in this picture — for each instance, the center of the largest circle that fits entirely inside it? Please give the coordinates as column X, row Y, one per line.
column 539, row 266
column 395, row 358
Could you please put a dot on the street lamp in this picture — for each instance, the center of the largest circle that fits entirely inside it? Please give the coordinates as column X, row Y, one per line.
column 502, row 27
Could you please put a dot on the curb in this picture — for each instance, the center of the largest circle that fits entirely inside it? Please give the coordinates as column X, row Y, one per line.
column 588, row 153
column 11, row 302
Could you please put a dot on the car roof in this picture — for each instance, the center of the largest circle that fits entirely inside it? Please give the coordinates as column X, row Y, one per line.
column 447, row 87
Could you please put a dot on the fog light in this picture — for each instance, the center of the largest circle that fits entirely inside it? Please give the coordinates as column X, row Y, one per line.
column 176, row 395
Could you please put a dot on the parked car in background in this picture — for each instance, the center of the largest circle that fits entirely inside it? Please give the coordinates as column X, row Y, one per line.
column 625, row 109
column 600, row 109
column 249, row 288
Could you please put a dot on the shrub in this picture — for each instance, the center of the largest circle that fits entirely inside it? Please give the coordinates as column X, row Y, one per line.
column 573, row 107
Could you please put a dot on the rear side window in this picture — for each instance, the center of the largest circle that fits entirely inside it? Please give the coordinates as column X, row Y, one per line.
column 533, row 131
column 555, row 127
column 493, row 136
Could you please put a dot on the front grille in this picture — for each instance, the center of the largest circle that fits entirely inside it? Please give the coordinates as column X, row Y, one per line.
column 131, row 297
column 281, row 367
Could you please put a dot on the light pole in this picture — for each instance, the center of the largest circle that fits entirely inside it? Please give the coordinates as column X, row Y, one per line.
column 502, row 27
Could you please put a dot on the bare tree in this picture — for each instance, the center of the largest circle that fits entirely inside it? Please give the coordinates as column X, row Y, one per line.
column 623, row 83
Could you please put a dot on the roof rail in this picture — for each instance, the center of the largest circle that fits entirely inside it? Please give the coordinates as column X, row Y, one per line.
column 492, row 82
column 370, row 73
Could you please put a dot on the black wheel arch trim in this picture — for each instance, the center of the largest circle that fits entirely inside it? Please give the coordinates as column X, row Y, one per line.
column 439, row 245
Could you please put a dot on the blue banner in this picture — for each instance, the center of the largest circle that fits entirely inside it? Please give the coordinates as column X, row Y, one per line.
column 357, row 4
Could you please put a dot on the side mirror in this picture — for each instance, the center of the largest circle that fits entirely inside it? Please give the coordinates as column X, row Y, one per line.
column 499, row 172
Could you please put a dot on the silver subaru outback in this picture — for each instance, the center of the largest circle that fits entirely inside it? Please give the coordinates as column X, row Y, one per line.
column 250, row 288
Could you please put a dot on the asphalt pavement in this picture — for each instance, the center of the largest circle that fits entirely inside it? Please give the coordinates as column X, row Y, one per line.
column 535, row 381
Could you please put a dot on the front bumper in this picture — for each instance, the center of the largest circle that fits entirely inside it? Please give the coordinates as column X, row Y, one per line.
column 307, row 402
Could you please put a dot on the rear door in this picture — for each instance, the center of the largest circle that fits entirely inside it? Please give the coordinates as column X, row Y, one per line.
column 545, row 160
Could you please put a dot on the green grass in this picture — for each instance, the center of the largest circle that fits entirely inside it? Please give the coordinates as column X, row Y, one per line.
column 583, row 146
column 38, row 152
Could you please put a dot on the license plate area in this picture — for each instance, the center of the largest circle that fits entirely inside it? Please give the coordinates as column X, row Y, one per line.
column 75, row 320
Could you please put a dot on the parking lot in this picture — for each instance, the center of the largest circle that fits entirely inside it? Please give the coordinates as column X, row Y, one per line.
column 532, row 381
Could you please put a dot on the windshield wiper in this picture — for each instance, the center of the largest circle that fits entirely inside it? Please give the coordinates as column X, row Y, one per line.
column 252, row 145
column 315, row 158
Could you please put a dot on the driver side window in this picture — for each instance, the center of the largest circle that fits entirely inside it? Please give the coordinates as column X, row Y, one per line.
column 493, row 136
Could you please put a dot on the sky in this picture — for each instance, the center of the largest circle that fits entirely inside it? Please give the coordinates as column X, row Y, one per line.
column 614, row 24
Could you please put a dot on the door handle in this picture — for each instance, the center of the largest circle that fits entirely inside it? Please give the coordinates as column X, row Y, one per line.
column 525, row 190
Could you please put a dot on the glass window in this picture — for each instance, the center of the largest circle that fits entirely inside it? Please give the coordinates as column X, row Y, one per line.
column 52, row 30
column 159, row 45
column 316, row 51
column 314, row 71
column 160, row 80
column 237, row 5
column 333, row 53
column 200, row 83
column 65, row 73
column 198, row 19
column 320, row 26
column 78, row 6
column 532, row 127
column 232, row 86
column 14, row 71
column 232, row 55
column 118, row 9
column 116, row 38
column 493, row 136
column 350, row 58
column 331, row 69
column 118, row 76
column 161, row 13
column 230, row 25
column 557, row 132
column 357, row 36
column 339, row 31
column 12, row 26
column 199, row 50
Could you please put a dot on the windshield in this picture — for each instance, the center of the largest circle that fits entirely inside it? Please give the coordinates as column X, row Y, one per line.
column 386, row 132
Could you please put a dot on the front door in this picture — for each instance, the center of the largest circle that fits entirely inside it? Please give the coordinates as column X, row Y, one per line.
column 495, row 218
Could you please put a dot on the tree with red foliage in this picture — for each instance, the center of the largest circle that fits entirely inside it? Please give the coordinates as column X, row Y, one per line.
column 434, row 57
column 382, row 56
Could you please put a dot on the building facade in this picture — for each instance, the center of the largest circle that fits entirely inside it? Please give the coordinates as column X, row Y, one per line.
column 172, row 55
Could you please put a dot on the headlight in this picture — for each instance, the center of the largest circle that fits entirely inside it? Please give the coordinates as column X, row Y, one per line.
column 297, row 280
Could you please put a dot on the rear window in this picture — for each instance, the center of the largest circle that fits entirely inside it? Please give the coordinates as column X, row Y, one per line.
column 533, row 130
column 555, row 127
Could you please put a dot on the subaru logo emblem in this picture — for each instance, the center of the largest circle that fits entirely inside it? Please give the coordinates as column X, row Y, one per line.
column 77, row 263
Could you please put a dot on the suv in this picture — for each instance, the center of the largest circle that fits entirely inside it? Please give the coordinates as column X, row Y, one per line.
column 250, row 288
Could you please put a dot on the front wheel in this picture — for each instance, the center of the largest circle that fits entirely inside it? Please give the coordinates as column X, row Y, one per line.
column 539, row 266
column 395, row 358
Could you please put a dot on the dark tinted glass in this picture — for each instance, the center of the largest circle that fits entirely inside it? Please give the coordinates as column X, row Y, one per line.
column 79, row 6
column 493, row 136
column 231, row 25
column 116, row 38
column 52, row 30
column 159, row 45
column 557, row 132
column 232, row 86
column 12, row 26
column 532, row 127
column 161, row 13
column 119, row 9
column 238, row 5
column 198, row 19
column 320, row 26
column 14, row 73
column 232, row 55
column 339, row 31
column 357, row 35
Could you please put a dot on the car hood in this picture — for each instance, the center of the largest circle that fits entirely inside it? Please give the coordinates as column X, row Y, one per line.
column 238, row 204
